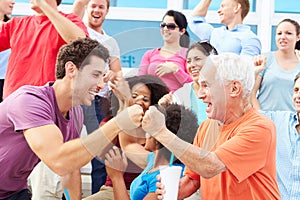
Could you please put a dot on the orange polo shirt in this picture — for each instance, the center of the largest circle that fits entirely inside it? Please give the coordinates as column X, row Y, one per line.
column 247, row 147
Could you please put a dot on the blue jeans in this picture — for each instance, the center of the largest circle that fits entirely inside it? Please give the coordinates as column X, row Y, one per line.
column 93, row 115
column 22, row 195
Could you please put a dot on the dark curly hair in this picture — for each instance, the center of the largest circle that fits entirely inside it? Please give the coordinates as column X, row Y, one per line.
column 79, row 52
column 182, row 122
column 157, row 87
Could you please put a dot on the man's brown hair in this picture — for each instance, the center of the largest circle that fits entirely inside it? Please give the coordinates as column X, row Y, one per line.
column 245, row 6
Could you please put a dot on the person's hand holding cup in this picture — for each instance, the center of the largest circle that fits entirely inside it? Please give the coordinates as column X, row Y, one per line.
column 169, row 184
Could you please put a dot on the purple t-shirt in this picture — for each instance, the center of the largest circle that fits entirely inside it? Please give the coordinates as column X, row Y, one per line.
column 28, row 107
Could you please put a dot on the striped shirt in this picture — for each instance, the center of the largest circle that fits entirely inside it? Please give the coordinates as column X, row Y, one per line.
column 287, row 153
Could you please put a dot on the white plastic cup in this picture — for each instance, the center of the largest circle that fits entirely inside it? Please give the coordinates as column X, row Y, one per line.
column 170, row 176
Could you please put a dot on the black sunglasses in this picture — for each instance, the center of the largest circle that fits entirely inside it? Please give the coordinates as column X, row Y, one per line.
column 170, row 26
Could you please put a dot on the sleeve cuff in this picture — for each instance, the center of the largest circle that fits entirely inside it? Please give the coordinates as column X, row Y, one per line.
column 199, row 19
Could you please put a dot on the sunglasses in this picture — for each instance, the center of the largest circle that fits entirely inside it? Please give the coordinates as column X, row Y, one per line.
column 170, row 26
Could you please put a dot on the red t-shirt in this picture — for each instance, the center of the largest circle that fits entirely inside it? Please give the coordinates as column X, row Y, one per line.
column 34, row 44
column 247, row 147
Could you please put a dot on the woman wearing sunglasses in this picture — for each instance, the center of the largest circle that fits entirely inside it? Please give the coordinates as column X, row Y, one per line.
column 169, row 61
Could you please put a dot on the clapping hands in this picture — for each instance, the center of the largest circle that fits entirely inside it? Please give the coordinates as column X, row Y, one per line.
column 166, row 68
column 120, row 88
column 166, row 99
column 111, row 76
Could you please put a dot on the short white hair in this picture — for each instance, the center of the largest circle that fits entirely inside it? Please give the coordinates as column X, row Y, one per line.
column 233, row 67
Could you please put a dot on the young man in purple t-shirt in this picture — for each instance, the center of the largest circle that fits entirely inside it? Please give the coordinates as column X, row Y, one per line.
column 42, row 123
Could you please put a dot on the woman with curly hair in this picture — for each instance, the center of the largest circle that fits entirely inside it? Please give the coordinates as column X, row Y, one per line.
column 145, row 90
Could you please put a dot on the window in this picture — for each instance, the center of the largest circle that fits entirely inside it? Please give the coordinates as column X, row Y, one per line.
column 140, row 3
column 63, row 1
column 291, row 6
column 134, row 39
column 70, row 2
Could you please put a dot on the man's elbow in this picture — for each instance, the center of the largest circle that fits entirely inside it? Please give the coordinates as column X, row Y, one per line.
column 212, row 171
column 208, row 173
column 60, row 168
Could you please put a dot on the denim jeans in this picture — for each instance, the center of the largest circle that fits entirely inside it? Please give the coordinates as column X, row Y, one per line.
column 93, row 115
column 22, row 195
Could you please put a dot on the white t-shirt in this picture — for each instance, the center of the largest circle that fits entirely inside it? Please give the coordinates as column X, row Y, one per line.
column 113, row 48
column 109, row 42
